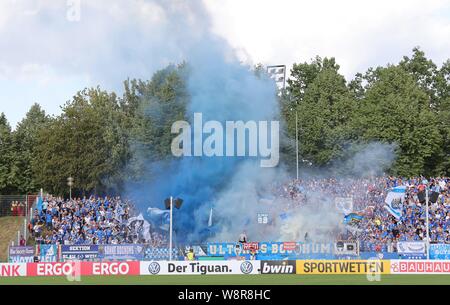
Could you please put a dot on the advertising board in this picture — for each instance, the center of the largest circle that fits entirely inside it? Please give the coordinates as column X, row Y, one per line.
column 83, row 268
column 343, row 266
column 200, row 267
column 13, row 269
column 420, row 267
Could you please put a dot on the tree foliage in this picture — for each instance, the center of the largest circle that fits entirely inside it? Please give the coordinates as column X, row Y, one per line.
column 6, row 154
column 103, row 140
column 87, row 141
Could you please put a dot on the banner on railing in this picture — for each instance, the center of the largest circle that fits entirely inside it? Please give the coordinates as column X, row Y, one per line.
column 274, row 250
column 160, row 254
column 440, row 251
column 79, row 252
column 411, row 247
column 21, row 254
column 48, row 253
column 121, row 252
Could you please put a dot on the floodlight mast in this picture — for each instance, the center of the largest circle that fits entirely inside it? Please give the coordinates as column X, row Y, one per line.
column 274, row 72
column 170, row 228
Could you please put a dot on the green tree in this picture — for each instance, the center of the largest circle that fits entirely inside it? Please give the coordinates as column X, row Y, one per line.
column 443, row 116
column 395, row 109
column 324, row 105
column 162, row 101
column 435, row 83
column 303, row 74
column 24, row 142
column 6, row 155
column 88, row 142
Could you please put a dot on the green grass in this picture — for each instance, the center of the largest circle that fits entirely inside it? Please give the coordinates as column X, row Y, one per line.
column 234, row 280
column 9, row 226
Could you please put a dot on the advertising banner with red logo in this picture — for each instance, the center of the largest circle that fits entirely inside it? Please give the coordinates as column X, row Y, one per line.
column 289, row 246
column 83, row 268
column 420, row 267
column 10, row 270
column 252, row 246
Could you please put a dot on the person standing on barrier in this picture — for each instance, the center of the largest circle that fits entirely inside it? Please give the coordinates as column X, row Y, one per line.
column 243, row 238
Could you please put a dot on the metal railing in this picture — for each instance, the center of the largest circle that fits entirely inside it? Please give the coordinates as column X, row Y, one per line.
column 18, row 206
column 8, row 205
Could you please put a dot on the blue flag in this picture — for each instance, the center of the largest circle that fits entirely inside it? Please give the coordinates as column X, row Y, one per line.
column 159, row 218
column 39, row 202
column 284, row 216
column 352, row 218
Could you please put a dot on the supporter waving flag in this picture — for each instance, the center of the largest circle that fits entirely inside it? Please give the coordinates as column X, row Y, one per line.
column 352, row 218
column 394, row 200
column 141, row 226
column 160, row 218
column 39, row 203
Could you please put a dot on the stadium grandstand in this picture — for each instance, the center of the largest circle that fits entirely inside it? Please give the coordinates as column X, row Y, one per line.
column 367, row 218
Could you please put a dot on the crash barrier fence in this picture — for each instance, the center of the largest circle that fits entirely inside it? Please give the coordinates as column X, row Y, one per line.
column 18, row 206
column 61, row 253
column 77, row 269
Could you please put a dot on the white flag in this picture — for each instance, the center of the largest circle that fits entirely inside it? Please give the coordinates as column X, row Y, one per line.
column 394, row 200
column 210, row 218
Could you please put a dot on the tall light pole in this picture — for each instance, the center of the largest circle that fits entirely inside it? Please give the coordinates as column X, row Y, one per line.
column 170, row 228
column 278, row 74
column 168, row 202
column 70, row 184
column 296, row 137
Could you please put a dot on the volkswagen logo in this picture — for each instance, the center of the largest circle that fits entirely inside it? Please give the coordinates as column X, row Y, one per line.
column 246, row 267
column 154, row 268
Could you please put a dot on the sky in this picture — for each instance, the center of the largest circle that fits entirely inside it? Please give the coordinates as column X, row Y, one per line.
column 51, row 49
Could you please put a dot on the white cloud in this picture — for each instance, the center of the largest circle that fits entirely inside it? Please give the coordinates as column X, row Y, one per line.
column 358, row 33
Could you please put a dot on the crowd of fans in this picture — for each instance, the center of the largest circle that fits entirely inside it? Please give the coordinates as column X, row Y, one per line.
column 90, row 220
column 106, row 220
column 378, row 230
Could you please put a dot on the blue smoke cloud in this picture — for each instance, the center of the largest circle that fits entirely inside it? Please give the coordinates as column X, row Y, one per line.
column 221, row 88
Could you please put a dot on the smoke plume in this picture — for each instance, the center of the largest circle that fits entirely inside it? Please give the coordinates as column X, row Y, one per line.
column 237, row 189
